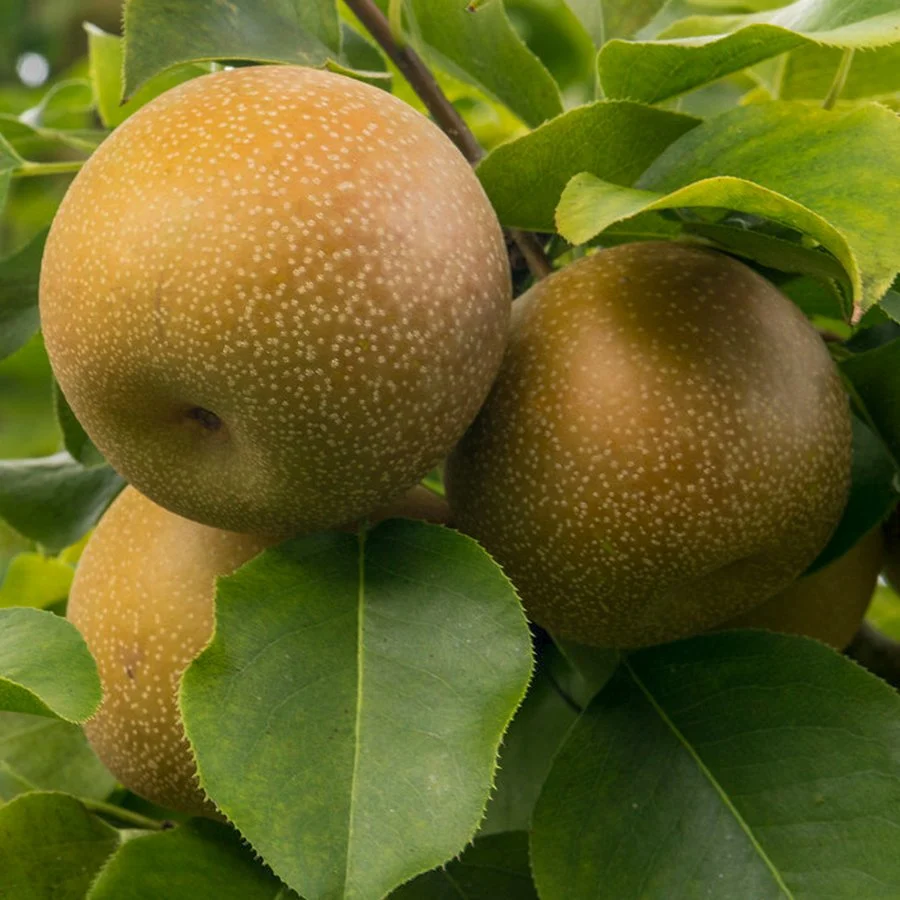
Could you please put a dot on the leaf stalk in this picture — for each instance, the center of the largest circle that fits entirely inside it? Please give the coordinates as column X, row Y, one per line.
column 840, row 79
column 127, row 816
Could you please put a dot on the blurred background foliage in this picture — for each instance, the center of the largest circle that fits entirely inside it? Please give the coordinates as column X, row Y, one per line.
column 42, row 55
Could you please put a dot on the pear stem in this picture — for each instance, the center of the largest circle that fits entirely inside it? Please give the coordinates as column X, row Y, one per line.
column 127, row 816
column 442, row 111
column 34, row 169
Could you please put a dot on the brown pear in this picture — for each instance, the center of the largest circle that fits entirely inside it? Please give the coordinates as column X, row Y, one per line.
column 275, row 297
column 667, row 445
column 827, row 605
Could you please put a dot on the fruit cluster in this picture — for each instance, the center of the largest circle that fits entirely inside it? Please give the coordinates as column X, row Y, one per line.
column 277, row 297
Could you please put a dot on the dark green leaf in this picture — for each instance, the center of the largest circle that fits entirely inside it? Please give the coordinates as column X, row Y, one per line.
column 745, row 764
column 872, row 494
column 592, row 668
column 161, row 34
column 347, row 715
column 19, row 275
column 875, row 376
column 614, row 141
column 559, row 40
column 51, row 848
column 493, row 868
column 768, row 250
column 890, row 305
column 45, row 667
column 55, row 500
column 700, row 49
column 482, row 47
column 527, row 752
column 364, row 56
column 816, row 297
column 79, row 446
column 831, row 185
column 197, row 860
column 37, row 753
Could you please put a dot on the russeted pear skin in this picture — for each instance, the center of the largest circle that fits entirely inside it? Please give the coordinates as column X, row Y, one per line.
column 827, row 605
column 666, row 446
column 143, row 599
column 275, row 297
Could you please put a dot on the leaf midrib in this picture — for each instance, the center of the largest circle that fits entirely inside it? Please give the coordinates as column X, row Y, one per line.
column 704, row 769
column 357, row 726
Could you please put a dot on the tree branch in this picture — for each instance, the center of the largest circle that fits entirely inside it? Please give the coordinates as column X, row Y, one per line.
column 442, row 111
column 876, row 652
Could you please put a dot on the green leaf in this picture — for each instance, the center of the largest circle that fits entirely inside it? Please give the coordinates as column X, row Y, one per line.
column 51, row 847
column 884, row 611
column 817, row 298
column 770, row 251
column 77, row 443
column 55, row 500
column 808, row 72
column 363, row 56
column 482, row 47
column 614, row 141
column 592, row 668
column 718, row 97
column 37, row 753
column 4, row 188
column 66, row 104
column 701, row 49
column 9, row 158
column 605, row 20
column 161, row 34
column 19, row 275
column 528, row 747
column 832, row 185
column 588, row 206
column 888, row 309
column 45, row 667
column 567, row 678
column 872, row 495
column 196, row 860
column 493, row 868
column 35, row 580
column 559, row 40
column 744, row 764
column 347, row 714
column 32, row 140
column 106, row 53
column 875, row 376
